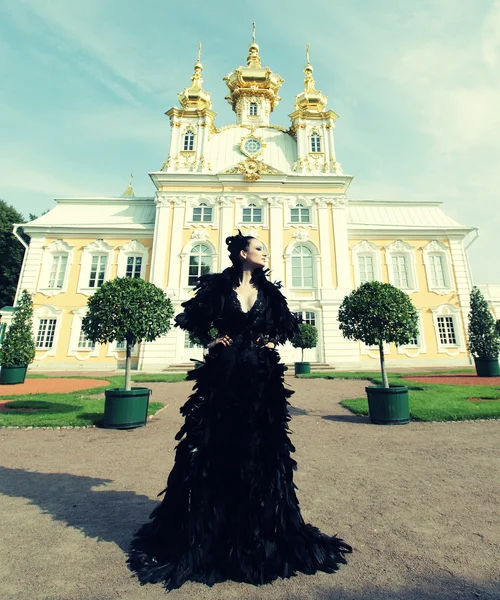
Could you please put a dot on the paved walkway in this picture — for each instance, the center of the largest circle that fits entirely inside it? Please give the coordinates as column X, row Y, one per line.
column 419, row 503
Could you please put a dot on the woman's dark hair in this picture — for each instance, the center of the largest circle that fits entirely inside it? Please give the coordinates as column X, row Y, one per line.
column 235, row 244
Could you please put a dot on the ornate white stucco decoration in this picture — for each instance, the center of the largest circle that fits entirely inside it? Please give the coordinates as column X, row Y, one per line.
column 321, row 202
column 163, row 199
column 199, row 234
column 338, row 202
column 276, row 201
column 134, row 246
column 250, row 231
column 178, row 200
column 400, row 246
column 59, row 246
column 225, row 200
column 98, row 246
column 301, row 235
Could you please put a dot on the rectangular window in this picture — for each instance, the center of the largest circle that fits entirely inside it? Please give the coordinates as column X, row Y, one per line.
column 45, row 335
column 252, row 215
column 97, row 270
column 437, row 271
column 299, row 215
column 84, row 343
column 202, row 214
column 57, row 272
column 309, row 317
column 446, row 328
column 134, row 265
column 253, row 109
column 400, row 272
column 366, row 269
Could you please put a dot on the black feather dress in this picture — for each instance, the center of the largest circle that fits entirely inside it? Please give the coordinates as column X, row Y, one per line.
column 229, row 509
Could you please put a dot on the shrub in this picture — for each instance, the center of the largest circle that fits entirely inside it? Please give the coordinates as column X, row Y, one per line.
column 306, row 337
column 128, row 310
column 484, row 340
column 377, row 313
column 18, row 346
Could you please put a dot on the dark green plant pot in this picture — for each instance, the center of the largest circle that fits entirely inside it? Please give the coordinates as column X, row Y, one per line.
column 487, row 367
column 126, row 410
column 13, row 375
column 388, row 406
column 302, row 368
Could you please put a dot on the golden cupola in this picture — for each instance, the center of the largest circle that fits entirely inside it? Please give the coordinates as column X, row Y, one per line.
column 310, row 100
column 253, row 90
column 195, row 97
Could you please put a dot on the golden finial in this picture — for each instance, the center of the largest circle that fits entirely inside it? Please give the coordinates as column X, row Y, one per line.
column 253, row 59
column 130, row 190
column 307, row 54
column 253, row 32
column 199, row 51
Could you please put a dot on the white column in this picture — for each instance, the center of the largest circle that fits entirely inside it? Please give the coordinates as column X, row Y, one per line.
column 463, row 281
column 340, row 238
column 226, row 224
column 160, row 240
column 174, row 269
column 276, row 249
column 324, row 244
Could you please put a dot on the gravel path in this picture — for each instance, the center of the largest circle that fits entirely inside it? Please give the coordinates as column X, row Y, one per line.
column 419, row 503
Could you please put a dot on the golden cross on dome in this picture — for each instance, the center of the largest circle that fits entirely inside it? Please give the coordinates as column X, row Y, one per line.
column 199, row 51
column 307, row 54
column 253, row 31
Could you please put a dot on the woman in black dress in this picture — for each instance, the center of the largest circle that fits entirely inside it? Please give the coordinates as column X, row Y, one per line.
column 230, row 510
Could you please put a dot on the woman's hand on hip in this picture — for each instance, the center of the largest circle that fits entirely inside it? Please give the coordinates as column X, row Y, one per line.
column 225, row 340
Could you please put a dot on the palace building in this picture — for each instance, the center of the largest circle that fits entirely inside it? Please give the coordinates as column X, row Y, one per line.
column 282, row 184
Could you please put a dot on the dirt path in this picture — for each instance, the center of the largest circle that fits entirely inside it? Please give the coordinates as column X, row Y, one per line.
column 453, row 379
column 55, row 385
column 418, row 502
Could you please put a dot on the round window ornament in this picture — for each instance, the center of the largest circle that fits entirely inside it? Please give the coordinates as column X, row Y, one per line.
column 251, row 146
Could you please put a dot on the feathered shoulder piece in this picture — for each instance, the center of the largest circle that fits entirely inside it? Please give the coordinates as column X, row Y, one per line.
column 281, row 323
column 205, row 307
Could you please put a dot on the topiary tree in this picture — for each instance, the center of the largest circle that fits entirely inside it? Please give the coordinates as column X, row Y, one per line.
column 306, row 337
column 497, row 327
column 18, row 346
column 484, row 341
column 128, row 310
column 377, row 313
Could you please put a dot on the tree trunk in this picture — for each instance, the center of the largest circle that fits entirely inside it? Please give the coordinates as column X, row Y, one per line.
column 128, row 364
column 302, row 354
column 385, row 381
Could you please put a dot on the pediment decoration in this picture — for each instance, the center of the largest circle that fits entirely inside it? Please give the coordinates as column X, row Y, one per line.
column 252, row 170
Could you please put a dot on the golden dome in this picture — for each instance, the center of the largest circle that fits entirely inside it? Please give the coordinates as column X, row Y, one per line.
column 253, row 80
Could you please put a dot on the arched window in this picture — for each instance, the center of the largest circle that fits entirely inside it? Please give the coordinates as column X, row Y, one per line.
column 302, row 267
column 315, row 142
column 252, row 214
column 299, row 214
column 189, row 140
column 202, row 213
column 199, row 263
column 253, row 109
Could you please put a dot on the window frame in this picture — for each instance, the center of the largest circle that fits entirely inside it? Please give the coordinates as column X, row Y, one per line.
column 448, row 310
column 189, row 140
column 366, row 248
column 132, row 248
column 438, row 249
column 47, row 311
column 398, row 249
column 309, row 254
column 74, row 348
column 196, row 202
column 316, row 139
column 97, row 248
column 57, row 248
column 252, row 105
column 413, row 350
column 258, row 203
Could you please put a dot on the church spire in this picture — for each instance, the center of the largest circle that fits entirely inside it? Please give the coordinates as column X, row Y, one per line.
column 195, row 96
column 310, row 99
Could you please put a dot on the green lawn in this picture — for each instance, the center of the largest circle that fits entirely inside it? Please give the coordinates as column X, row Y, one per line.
column 430, row 402
column 76, row 409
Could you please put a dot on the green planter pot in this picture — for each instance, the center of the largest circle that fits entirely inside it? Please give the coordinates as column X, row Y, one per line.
column 302, row 368
column 487, row 367
column 126, row 410
column 388, row 406
column 13, row 375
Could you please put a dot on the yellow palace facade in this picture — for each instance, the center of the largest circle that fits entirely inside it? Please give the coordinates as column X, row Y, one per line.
column 283, row 185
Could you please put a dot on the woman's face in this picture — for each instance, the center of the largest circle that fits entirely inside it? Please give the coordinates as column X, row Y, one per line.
column 255, row 256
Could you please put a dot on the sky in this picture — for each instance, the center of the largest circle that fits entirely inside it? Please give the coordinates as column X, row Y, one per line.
column 416, row 85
